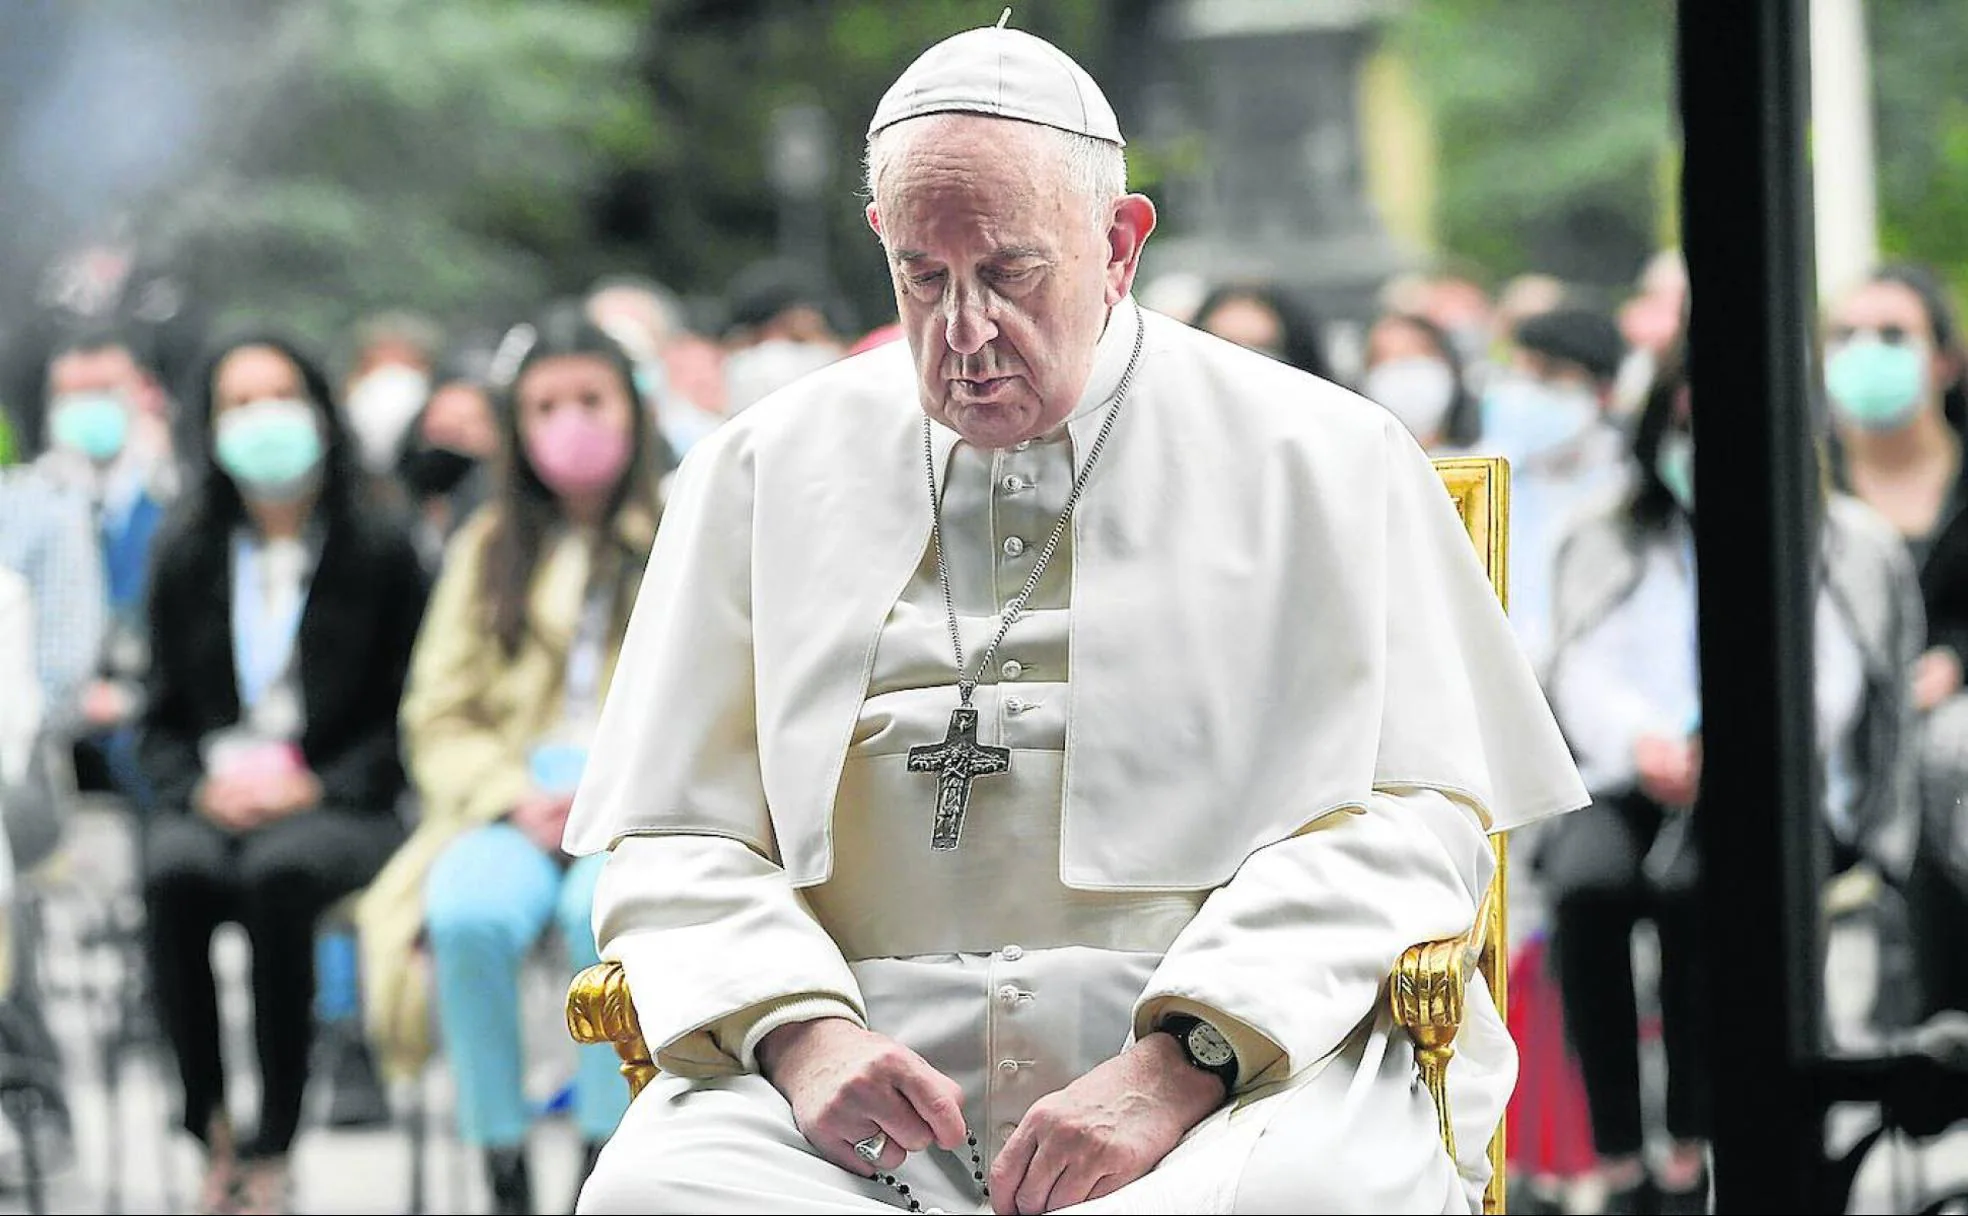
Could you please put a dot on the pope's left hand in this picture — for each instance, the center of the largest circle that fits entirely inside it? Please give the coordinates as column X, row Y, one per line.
column 1104, row 1130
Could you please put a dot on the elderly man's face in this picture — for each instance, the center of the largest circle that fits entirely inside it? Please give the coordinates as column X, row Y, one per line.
column 1003, row 278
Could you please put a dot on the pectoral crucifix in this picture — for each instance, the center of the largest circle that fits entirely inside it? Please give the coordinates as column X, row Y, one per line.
column 957, row 761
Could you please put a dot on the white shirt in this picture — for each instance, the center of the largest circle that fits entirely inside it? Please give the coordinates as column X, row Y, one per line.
column 889, row 894
column 1637, row 673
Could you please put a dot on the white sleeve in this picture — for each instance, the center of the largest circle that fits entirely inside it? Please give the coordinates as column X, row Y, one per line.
column 1297, row 945
column 719, row 947
column 1599, row 710
column 20, row 709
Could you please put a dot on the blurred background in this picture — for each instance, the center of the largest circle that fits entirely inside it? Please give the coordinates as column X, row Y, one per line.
column 304, row 164
column 1466, row 210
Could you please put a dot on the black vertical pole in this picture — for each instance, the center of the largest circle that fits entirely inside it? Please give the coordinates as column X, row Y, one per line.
column 1744, row 80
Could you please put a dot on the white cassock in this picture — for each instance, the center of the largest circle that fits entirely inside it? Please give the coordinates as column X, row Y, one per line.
column 1262, row 711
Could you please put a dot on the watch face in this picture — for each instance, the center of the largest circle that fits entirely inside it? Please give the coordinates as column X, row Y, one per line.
column 1208, row 1045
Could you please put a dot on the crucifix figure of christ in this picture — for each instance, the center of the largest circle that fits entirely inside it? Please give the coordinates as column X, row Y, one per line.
column 957, row 761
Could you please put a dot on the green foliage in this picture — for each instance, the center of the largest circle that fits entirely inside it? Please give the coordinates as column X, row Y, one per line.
column 457, row 155
column 1546, row 108
column 720, row 69
column 438, row 154
column 1920, row 59
column 1543, row 109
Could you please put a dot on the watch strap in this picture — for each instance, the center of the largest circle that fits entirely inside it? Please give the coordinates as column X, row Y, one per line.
column 1178, row 1025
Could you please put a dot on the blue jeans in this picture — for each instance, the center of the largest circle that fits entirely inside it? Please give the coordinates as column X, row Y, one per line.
column 488, row 899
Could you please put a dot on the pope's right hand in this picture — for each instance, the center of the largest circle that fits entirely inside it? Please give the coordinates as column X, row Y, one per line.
column 845, row 1084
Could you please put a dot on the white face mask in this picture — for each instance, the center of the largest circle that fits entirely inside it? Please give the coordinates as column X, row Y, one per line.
column 1418, row 391
column 381, row 407
column 758, row 371
column 1523, row 417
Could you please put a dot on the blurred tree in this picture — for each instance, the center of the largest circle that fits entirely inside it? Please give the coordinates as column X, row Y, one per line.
column 719, row 69
column 1551, row 117
column 446, row 155
column 1920, row 59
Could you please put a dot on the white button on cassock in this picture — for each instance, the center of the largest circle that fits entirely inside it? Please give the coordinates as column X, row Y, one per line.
column 1012, row 669
column 1014, row 484
column 1012, row 954
column 1014, row 546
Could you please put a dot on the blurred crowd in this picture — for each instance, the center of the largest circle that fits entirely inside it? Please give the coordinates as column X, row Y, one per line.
column 336, row 632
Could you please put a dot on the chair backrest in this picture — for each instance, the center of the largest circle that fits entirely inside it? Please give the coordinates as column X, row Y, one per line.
column 1480, row 488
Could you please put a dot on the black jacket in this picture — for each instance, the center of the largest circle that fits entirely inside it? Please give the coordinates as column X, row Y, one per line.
column 1943, row 561
column 364, row 604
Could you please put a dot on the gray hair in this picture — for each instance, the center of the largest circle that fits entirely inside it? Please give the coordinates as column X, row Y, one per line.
column 1093, row 168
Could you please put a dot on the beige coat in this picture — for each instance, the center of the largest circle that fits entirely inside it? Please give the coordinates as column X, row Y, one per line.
column 470, row 714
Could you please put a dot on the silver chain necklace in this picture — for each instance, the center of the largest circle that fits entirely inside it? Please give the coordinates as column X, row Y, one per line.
column 959, row 759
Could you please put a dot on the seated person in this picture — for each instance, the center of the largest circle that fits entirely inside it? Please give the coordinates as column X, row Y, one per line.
column 1547, row 412
column 47, row 537
column 1896, row 374
column 1266, row 319
column 1625, row 685
column 281, row 620
column 503, row 694
column 1414, row 370
column 20, row 725
column 444, row 462
column 105, row 408
column 915, row 904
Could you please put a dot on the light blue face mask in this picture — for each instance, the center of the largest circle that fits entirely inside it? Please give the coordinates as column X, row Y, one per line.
column 94, row 424
column 1523, row 417
column 272, row 449
column 1675, row 463
column 1875, row 385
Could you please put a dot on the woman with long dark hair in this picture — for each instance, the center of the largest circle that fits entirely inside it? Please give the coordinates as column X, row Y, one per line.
column 281, row 621
column 1414, row 371
column 1896, row 374
column 508, row 679
column 1624, row 682
column 1266, row 319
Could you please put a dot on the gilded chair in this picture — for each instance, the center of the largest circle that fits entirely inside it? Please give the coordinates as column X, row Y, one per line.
column 1429, row 981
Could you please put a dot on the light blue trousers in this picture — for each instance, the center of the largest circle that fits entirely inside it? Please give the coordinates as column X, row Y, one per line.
column 488, row 899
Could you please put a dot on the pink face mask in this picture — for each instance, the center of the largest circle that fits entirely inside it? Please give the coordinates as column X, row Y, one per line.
column 576, row 453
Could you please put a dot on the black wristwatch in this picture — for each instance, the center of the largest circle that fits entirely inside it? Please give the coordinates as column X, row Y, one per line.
column 1203, row 1046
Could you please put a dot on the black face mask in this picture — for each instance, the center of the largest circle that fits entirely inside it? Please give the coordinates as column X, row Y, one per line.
column 429, row 472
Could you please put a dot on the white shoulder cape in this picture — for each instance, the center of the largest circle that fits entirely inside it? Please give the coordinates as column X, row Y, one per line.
column 1274, row 611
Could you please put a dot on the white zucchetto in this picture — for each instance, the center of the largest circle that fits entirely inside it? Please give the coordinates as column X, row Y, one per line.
column 1003, row 73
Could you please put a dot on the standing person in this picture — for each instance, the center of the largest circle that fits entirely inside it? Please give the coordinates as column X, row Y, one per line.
column 1239, row 701
column 1625, row 684
column 506, row 684
column 281, row 620
column 1896, row 373
column 1414, row 370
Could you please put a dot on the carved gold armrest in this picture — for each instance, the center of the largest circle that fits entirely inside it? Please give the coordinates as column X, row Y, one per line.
column 1426, row 991
column 599, row 1011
